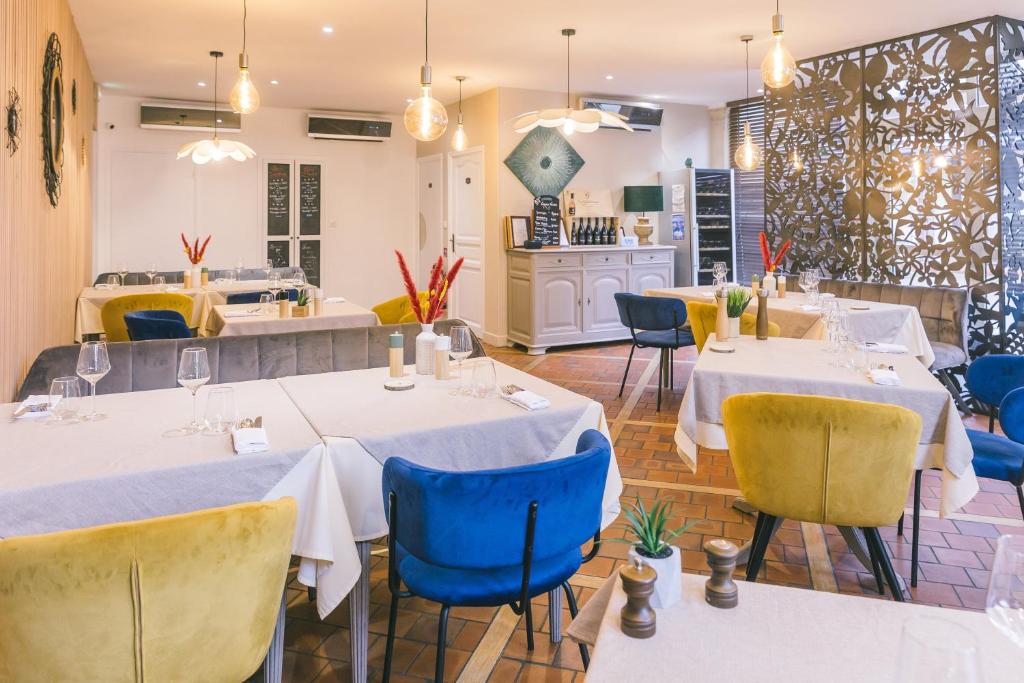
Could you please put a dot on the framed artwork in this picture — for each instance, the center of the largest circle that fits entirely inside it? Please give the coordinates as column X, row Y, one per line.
column 517, row 231
column 544, row 162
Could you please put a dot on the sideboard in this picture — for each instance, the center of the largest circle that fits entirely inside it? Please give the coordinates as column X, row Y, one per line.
column 567, row 296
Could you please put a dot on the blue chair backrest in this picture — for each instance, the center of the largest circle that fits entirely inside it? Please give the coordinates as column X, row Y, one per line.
column 991, row 378
column 1011, row 415
column 157, row 324
column 245, row 297
column 477, row 520
column 650, row 312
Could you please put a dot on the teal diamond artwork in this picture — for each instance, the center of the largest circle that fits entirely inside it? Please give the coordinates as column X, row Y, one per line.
column 544, row 162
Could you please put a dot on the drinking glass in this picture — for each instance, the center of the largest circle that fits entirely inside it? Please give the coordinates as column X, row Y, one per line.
column 268, row 266
column 151, row 272
column 193, row 372
column 934, row 649
column 861, row 357
column 720, row 269
column 485, row 380
column 239, row 267
column 299, row 279
column 160, row 282
column 274, row 284
column 65, row 393
column 113, row 281
column 122, row 270
column 221, row 414
column 93, row 365
column 1005, row 602
column 461, row 348
column 266, row 303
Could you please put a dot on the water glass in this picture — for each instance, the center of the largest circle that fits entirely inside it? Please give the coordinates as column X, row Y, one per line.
column 93, row 365
column 861, row 357
column 221, row 413
column 934, row 649
column 113, row 281
column 268, row 266
column 64, row 399
column 239, row 267
column 1005, row 602
column 160, row 282
column 266, row 304
column 485, row 380
column 193, row 372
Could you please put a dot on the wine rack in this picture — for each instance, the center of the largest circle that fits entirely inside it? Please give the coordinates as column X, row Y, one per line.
column 712, row 218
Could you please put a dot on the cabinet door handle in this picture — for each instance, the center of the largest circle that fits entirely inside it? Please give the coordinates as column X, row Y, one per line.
column 579, row 302
column 588, row 301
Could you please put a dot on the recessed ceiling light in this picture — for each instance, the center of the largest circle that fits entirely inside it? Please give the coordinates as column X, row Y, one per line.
column 328, row 29
column 408, row 100
column 609, row 77
column 274, row 82
column 220, row 120
column 201, row 84
column 760, row 90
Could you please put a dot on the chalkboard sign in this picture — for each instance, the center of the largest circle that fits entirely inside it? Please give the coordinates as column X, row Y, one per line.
column 309, row 260
column 309, row 199
column 547, row 220
column 277, row 253
column 279, row 191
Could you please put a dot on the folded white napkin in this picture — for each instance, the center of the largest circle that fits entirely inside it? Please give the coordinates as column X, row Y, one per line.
column 250, row 440
column 104, row 285
column 240, row 314
column 882, row 347
column 172, row 288
column 529, row 400
column 37, row 405
column 809, row 308
column 885, row 377
column 710, row 295
column 334, row 300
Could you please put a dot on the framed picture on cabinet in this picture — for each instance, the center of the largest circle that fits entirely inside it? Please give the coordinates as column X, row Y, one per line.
column 517, row 231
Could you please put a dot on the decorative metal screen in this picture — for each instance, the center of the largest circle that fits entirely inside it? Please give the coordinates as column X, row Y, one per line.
column 907, row 148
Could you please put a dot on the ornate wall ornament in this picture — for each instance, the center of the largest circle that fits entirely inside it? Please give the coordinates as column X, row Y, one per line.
column 74, row 96
column 913, row 167
column 12, row 121
column 544, row 162
column 53, row 118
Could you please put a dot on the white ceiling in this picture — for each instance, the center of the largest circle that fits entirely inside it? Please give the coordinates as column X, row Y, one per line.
column 674, row 50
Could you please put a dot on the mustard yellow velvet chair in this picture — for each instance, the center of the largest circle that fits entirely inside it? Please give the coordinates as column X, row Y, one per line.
column 113, row 311
column 191, row 597
column 703, row 316
column 822, row 460
column 398, row 311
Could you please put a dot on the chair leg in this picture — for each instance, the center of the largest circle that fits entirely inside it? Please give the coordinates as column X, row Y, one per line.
column 390, row 646
column 763, row 534
column 899, row 525
column 661, row 377
column 874, row 541
column 672, row 369
column 1020, row 498
column 573, row 611
column 622, row 387
column 876, row 569
column 311, row 593
column 442, row 635
column 991, row 420
column 916, row 534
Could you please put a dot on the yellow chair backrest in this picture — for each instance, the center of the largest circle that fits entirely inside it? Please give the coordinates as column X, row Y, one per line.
column 703, row 316
column 184, row 598
column 113, row 311
column 398, row 310
column 821, row 459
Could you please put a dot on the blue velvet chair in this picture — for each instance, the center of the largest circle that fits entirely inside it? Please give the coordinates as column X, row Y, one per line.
column 254, row 297
column 156, row 324
column 998, row 457
column 491, row 537
column 991, row 378
column 654, row 322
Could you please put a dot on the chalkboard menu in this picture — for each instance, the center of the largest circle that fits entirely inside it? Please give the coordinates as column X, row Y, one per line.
column 309, row 260
column 309, row 199
column 279, row 190
column 277, row 253
column 547, row 220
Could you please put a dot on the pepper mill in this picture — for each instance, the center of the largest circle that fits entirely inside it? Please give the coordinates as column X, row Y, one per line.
column 638, row 618
column 762, row 314
column 722, row 314
column 720, row 590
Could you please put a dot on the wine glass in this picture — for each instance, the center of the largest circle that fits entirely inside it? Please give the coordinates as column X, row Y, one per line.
column 151, row 272
column 268, row 266
column 221, row 414
column 274, row 285
column 194, row 372
column 934, row 649
column 239, row 267
column 93, row 365
column 1005, row 602
column 805, row 281
column 63, row 400
column 461, row 347
column 122, row 270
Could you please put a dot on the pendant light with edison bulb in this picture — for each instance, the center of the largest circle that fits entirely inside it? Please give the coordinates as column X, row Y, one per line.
column 459, row 139
column 244, row 97
column 425, row 117
column 748, row 155
column 778, row 68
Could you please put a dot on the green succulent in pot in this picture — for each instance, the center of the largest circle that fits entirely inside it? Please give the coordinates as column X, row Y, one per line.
column 649, row 529
column 737, row 301
column 303, row 298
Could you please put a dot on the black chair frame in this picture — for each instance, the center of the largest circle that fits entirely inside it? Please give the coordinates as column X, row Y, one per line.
column 666, row 375
column 520, row 607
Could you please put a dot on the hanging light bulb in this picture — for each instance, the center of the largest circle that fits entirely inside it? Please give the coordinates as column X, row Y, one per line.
column 459, row 139
column 425, row 117
column 917, row 166
column 244, row 97
column 215, row 149
column 778, row 68
column 748, row 155
column 797, row 161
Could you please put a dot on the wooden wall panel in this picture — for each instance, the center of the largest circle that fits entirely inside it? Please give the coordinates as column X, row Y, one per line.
column 45, row 252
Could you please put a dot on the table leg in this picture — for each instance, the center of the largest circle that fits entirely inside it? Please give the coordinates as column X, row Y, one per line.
column 273, row 664
column 555, row 614
column 359, row 615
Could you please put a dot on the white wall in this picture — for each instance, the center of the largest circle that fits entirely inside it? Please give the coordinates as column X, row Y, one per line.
column 145, row 198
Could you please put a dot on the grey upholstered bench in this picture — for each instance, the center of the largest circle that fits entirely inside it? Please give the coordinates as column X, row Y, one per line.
column 177, row 276
column 145, row 365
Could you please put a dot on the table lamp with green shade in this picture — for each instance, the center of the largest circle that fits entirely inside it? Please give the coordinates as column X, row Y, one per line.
column 641, row 199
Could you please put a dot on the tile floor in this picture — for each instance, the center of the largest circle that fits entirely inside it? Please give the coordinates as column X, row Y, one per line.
column 490, row 644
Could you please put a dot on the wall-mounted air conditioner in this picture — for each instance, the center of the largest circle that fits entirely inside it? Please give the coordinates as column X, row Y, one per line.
column 188, row 116
column 639, row 115
column 334, row 127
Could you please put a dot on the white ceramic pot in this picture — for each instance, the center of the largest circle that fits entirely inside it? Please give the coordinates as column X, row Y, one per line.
column 425, row 349
column 734, row 327
column 668, row 587
column 197, row 277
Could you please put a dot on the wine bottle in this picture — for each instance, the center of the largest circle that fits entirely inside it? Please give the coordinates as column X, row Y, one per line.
column 604, row 231
column 572, row 204
column 572, row 235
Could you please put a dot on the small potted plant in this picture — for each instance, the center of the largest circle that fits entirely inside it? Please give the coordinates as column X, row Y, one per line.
column 302, row 304
column 736, row 303
column 650, row 543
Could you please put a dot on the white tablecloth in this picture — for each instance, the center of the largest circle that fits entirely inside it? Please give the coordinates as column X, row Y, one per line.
column 335, row 316
column 890, row 323
column 777, row 633
column 801, row 366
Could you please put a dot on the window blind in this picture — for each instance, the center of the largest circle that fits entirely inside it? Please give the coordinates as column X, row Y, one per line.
column 749, row 188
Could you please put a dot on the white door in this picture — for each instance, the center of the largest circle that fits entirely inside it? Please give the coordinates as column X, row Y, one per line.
column 430, row 199
column 466, row 230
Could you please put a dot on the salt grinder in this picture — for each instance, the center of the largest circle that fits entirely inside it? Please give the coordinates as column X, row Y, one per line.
column 638, row 618
column 720, row 590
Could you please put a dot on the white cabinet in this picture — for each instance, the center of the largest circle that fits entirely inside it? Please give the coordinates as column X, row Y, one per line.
column 567, row 296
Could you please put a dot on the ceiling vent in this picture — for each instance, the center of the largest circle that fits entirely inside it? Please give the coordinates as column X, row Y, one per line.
column 639, row 115
column 187, row 116
column 330, row 127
